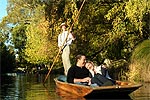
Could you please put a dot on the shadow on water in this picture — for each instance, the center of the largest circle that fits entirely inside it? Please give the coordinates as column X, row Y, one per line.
column 108, row 97
column 65, row 95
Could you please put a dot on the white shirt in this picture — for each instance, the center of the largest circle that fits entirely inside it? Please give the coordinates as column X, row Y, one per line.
column 98, row 69
column 92, row 72
column 62, row 37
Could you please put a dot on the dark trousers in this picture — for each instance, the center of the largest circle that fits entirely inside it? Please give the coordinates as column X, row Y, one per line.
column 101, row 80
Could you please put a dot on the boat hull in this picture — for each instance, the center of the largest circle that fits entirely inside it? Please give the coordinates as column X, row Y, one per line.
column 78, row 90
column 122, row 89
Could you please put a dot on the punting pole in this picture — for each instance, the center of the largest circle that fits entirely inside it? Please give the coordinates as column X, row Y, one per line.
column 63, row 43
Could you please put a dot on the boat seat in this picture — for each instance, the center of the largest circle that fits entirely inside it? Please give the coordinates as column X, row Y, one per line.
column 62, row 78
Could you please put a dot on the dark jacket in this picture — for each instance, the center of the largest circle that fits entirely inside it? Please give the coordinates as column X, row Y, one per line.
column 77, row 72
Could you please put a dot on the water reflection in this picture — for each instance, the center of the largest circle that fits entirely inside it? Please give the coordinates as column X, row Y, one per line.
column 30, row 87
column 65, row 95
column 12, row 87
column 142, row 93
column 25, row 87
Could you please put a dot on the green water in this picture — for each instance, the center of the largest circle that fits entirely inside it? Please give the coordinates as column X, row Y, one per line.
column 30, row 87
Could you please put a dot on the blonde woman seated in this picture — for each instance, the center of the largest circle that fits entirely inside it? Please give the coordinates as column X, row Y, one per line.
column 96, row 77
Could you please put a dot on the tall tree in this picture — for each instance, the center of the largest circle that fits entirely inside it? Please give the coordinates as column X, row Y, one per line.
column 129, row 23
column 104, row 29
column 7, row 59
column 140, row 63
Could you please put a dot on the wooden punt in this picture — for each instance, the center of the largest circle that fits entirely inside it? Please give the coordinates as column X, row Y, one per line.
column 122, row 88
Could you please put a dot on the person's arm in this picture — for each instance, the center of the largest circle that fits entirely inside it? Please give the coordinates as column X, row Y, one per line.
column 71, row 77
column 87, row 79
column 73, row 36
column 107, row 75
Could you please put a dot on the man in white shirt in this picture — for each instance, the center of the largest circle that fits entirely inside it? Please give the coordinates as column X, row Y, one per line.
column 65, row 48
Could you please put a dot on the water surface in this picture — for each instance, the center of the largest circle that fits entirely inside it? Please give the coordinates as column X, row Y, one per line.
column 30, row 87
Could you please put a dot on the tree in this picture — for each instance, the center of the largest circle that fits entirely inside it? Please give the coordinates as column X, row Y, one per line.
column 130, row 26
column 24, row 15
column 140, row 65
column 129, row 23
column 39, row 48
column 7, row 60
column 104, row 28
column 7, row 54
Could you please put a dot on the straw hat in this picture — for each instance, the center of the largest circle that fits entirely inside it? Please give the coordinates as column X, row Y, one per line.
column 63, row 24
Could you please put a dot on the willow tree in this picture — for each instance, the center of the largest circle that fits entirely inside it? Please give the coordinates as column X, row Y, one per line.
column 27, row 19
column 41, row 44
column 7, row 55
column 91, row 28
column 130, row 23
column 39, row 47
column 104, row 28
column 112, row 29
column 140, row 63
column 35, row 26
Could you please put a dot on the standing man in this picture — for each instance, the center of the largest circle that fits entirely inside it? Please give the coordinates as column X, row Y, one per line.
column 65, row 48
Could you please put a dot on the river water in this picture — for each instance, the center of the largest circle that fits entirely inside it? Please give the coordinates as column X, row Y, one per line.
column 30, row 87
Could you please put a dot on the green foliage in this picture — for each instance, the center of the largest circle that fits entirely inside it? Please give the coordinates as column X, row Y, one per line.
column 91, row 30
column 38, row 48
column 142, row 53
column 104, row 29
column 18, row 36
column 128, row 17
column 140, row 65
column 135, row 10
column 3, row 35
column 7, row 59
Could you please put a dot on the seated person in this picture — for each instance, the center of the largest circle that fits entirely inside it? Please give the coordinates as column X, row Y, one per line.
column 102, row 69
column 97, row 78
column 79, row 73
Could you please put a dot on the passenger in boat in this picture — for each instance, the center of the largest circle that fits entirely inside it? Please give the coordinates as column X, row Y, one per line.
column 79, row 74
column 96, row 77
column 65, row 49
column 103, row 68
